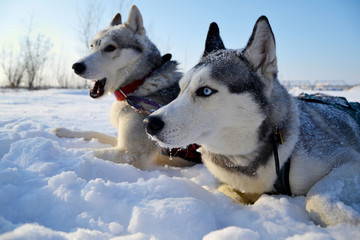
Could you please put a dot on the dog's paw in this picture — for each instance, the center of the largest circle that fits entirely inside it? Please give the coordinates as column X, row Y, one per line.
column 237, row 196
column 62, row 132
column 326, row 211
column 336, row 198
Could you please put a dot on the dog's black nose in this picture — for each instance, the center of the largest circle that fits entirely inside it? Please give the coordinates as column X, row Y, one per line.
column 153, row 125
column 79, row 67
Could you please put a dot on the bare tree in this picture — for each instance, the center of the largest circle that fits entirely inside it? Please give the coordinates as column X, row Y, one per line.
column 120, row 5
column 13, row 66
column 36, row 48
column 61, row 71
column 89, row 19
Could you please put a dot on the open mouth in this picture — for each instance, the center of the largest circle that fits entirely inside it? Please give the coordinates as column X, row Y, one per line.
column 98, row 89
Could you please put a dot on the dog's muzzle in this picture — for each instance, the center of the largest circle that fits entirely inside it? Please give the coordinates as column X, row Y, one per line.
column 153, row 125
column 98, row 89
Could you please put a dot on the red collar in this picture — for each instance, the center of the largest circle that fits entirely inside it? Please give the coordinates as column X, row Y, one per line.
column 122, row 92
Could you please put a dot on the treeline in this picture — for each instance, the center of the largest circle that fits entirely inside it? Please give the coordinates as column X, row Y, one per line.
column 23, row 64
column 30, row 63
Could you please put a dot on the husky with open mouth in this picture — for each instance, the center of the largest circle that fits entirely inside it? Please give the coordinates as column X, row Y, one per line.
column 125, row 62
column 257, row 138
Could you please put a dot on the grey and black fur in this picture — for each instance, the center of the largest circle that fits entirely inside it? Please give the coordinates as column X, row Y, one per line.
column 232, row 104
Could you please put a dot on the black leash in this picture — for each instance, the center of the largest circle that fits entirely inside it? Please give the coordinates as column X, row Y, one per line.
column 282, row 183
column 275, row 141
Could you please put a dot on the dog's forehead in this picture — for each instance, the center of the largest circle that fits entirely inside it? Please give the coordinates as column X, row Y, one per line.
column 228, row 67
column 112, row 31
column 195, row 77
column 100, row 37
column 120, row 35
column 225, row 67
column 226, row 64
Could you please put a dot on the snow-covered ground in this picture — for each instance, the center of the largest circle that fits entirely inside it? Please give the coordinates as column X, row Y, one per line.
column 53, row 188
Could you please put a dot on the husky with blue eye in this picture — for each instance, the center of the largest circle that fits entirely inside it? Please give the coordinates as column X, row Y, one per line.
column 125, row 62
column 257, row 138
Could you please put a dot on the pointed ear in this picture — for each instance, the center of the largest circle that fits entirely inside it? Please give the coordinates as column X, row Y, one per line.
column 261, row 51
column 135, row 21
column 116, row 20
column 213, row 40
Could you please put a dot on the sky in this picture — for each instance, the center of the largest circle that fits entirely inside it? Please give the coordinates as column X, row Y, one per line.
column 316, row 40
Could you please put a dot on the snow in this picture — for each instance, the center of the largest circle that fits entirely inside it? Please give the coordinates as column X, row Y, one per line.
column 54, row 188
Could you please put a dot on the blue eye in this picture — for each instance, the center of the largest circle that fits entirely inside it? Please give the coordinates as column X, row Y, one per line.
column 205, row 92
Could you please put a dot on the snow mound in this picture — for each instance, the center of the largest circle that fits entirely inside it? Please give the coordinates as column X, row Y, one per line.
column 52, row 188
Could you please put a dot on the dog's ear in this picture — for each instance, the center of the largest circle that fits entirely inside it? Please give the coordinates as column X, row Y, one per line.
column 116, row 20
column 261, row 51
column 135, row 21
column 213, row 40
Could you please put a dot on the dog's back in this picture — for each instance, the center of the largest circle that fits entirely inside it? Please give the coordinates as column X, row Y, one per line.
column 328, row 163
column 328, row 124
column 328, row 136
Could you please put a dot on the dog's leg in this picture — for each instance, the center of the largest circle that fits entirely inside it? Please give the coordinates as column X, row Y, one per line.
column 87, row 135
column 336, row 198
column 140, row 159
column 163, row 160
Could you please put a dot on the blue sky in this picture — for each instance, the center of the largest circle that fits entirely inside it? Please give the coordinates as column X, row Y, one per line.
column 316, row 40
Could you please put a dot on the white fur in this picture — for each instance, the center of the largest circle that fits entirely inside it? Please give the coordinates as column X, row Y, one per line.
column 101, row 65
column 186, row 123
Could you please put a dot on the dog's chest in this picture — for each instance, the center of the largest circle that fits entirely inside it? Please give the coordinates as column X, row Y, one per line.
column 257, row 180
column 123, row 116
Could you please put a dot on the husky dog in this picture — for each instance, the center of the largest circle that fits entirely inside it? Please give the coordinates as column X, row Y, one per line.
column 128, row 64
column 257, row 138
